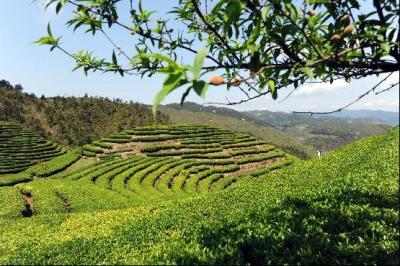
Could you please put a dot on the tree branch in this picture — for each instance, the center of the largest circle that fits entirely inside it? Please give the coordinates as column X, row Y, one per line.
column 147, row 35
column 387, row 89
column 116, row 46
column 302, row 31
column 256, row 96
column 349, row 104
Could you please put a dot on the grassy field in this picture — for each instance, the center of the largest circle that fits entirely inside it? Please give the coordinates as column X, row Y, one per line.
column 200, row 195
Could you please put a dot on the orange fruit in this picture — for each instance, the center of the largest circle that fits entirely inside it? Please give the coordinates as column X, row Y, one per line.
column 349, row 29
column 336, row 37
column 217, row 80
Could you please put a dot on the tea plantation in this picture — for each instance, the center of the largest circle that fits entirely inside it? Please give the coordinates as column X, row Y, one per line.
column 20, row 149
column 192, row 194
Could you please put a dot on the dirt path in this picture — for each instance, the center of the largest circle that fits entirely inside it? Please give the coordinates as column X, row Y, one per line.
column 248, row 167
column 136, row 147
column 28, row 212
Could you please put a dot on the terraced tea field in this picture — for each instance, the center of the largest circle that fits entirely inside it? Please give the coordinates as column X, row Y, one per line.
column 203, row 146
column 152, row 164
column 20, row 149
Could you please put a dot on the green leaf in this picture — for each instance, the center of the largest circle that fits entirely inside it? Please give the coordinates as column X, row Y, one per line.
column 255, row 35
column 232, row 14
column 385, row 47
column 140, row 6
column 60, row 5
column 271, row 85
column 198, row 63
column 217, row 7
column 308, row 71
column 255, row 64
column 172, row 82
column 49, row 30
column 162, row 57
column 47, row 41
column 233, row 10
column 200, row 87
column 264, row 12
column 114, row 59
column 354, row 54
column 185, row 94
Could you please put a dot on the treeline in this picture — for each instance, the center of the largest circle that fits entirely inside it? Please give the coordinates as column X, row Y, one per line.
column 72, row 121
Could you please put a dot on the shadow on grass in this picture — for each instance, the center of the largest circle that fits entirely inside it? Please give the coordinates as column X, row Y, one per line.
column 348, row 228
column 351, row 228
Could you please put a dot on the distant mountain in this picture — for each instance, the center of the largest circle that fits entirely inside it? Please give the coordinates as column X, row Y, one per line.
column 391, row 118
column 345, row 116
column 324, row 133
column 195, row 107
column 230, row 119
column 277, row 119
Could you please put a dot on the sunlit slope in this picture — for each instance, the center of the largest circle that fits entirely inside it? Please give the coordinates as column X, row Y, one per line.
column 342, row 208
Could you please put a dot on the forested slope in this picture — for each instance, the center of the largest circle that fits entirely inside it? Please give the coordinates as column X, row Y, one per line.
column 71, row 121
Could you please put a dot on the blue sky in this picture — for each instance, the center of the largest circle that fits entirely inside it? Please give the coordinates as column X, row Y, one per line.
column 42, row 72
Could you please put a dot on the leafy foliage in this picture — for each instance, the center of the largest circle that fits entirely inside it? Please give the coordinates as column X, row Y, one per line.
column 258, row 46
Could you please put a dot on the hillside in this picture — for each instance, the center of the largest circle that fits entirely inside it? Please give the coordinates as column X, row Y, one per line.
column 324, row 133
column 71, row 121
column 341, row 208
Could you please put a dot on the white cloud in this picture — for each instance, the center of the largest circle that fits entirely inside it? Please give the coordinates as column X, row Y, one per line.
column 393, row 79
column 318, row 88
column 387, row 100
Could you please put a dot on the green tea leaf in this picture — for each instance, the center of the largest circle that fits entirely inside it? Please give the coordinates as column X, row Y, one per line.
column 49, row 30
